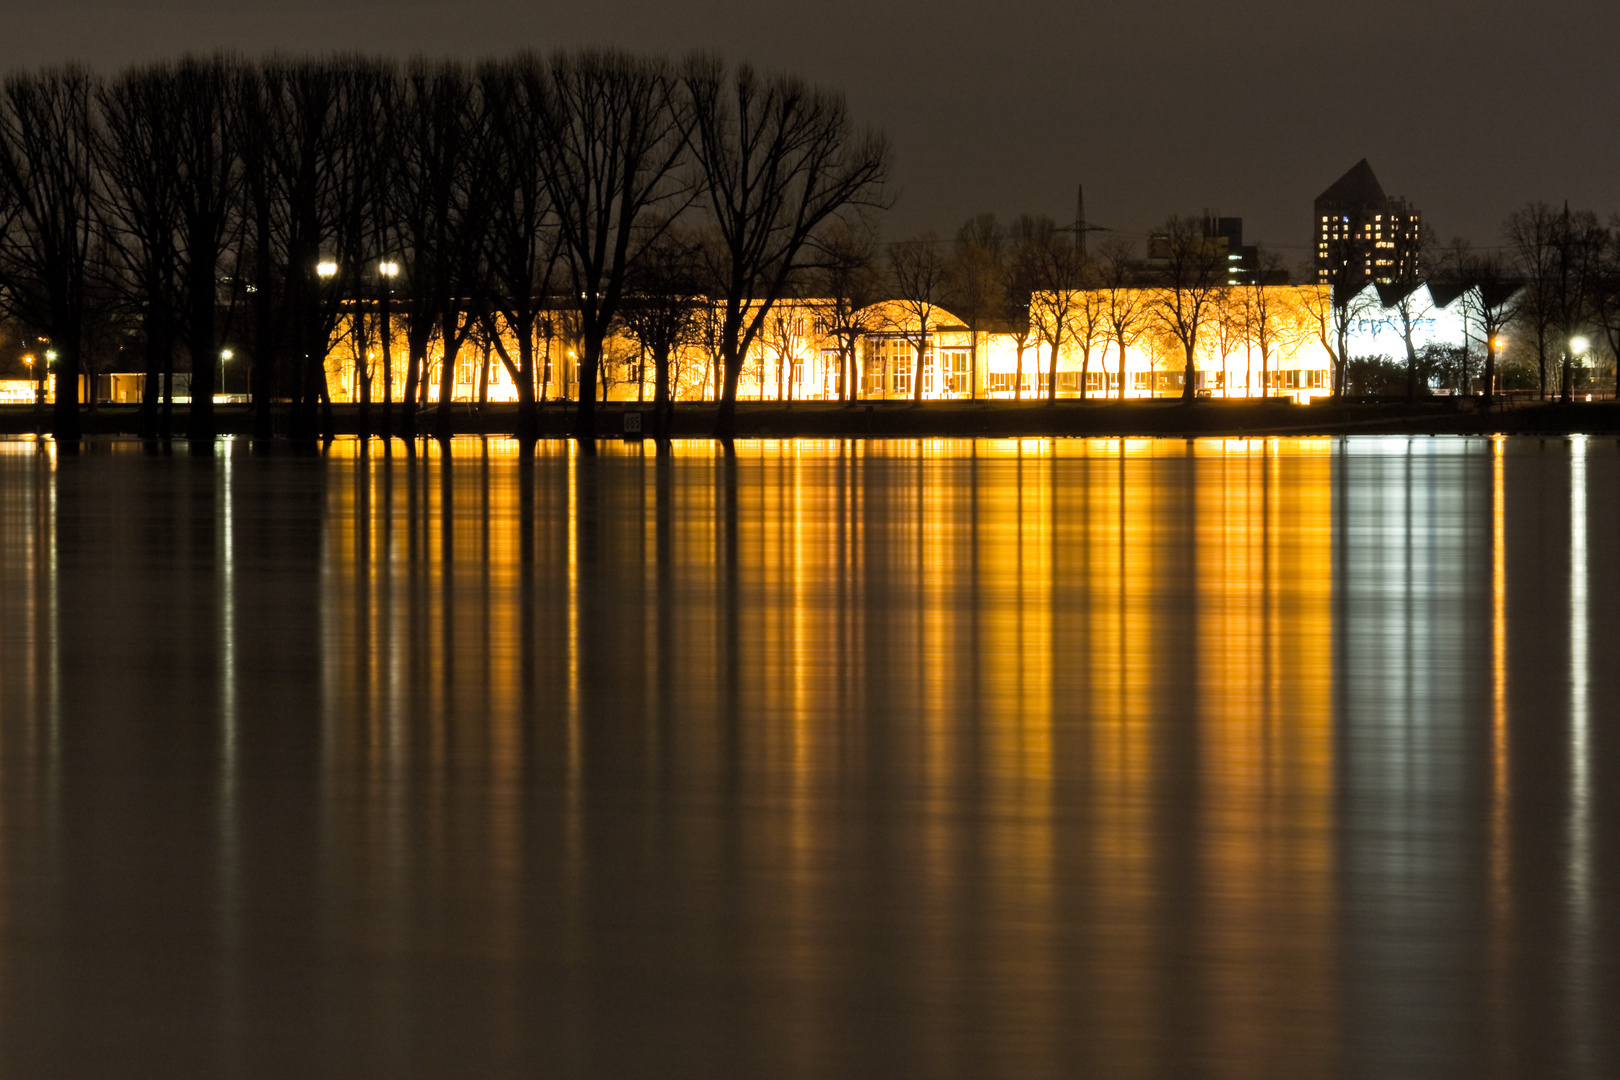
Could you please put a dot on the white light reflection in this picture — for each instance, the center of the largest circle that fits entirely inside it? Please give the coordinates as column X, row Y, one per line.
column 229, row 868
column 1580, row 823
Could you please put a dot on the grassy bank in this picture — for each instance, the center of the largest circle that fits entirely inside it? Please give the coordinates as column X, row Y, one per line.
column 997, row 419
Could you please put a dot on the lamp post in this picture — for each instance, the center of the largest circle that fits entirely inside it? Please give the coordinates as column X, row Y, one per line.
column 1577, row 348
column 28, row 362
column 224, row 355
column 387, row 271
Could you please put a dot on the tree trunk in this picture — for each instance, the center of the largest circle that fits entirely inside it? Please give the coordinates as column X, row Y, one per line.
column 973, row 362
column 386, row 335
column 528, row 418
column 585, row 411
column 151, row 385
column 200, row 426
column 1411, row 368
column 1188, row 375
column 1121, row 340
column 447, row 376
column 65, row 416
column 922, row 350
column 663, row 402
column 725, row 421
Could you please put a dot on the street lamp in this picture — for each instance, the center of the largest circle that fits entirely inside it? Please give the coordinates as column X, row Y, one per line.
column 224, row 355
column 387, row 268
column 1578, row 346
column 326, row 268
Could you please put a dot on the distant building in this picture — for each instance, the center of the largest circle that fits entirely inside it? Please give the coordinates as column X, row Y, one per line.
column 1225, row 236
column 1363, row 235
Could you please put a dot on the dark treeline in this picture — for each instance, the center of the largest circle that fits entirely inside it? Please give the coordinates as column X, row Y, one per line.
column 201, row 200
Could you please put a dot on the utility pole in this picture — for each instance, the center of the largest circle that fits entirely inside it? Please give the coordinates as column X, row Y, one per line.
column 1080, row 218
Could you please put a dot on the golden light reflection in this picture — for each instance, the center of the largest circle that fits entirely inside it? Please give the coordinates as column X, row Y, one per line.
column 1501, row 913
column 1040, row 754
column 1265, row 643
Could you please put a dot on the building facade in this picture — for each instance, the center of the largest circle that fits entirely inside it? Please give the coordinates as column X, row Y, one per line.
column 1363, row 235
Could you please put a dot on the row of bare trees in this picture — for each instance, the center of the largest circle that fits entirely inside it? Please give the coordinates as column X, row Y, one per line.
column 1553, row 284
column 286, row 202
column 1038, row 283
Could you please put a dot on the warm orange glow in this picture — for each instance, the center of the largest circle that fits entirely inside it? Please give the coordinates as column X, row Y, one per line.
column 797, row 356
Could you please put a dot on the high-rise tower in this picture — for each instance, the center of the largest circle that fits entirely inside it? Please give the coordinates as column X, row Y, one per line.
column 1364, row 235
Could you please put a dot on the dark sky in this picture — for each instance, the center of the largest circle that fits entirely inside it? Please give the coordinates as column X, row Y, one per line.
column 1467, row 107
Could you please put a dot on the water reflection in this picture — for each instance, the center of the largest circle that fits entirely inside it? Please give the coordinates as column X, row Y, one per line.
column 1239, row 758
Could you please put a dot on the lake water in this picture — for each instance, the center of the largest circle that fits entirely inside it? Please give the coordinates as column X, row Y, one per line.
column 942, row 759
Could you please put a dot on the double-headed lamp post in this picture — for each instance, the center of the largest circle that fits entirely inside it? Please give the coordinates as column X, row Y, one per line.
column 387, row 271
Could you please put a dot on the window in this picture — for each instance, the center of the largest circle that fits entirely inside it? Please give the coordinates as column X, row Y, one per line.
column 956, row 366
column 872, row 374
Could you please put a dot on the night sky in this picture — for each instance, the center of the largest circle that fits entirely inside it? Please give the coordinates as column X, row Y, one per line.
column 1466, row 107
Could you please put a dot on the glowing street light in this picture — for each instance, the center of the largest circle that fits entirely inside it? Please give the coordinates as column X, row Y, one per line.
column 1578, row 346
column 326, row 268
column 388, row 268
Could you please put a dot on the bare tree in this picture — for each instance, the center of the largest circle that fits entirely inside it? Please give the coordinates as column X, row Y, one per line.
column 1126, row 308
column 1059, row 267
column 849, row 280
column 210, row 171
column 137, row 155
column 292, row 155
column 1260, row 312
column 1230, row 323
column 1533, row 233
column 917, row 267
column 47, row 167
column 614, row 132
column 1493, row 295
column 1020, row 278
column 1190, row 273
column 1343, row 268
column 661, row 312
column 1577, row 270
column 973, row 282
column 1090, row 327
column 779, row 161
column 443, row 136
column 1407, row 303
column 523, row 241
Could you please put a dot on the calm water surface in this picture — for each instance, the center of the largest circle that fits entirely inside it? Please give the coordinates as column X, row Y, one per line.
column 1213, row 759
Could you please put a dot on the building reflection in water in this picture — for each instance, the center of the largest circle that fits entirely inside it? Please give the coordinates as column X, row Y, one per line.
column 939, row 758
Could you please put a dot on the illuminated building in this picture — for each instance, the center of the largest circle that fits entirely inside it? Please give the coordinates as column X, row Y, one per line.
column 798, row 355
column 1362, row 234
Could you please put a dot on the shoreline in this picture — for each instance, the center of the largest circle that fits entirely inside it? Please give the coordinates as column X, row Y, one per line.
column 1205, row 418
